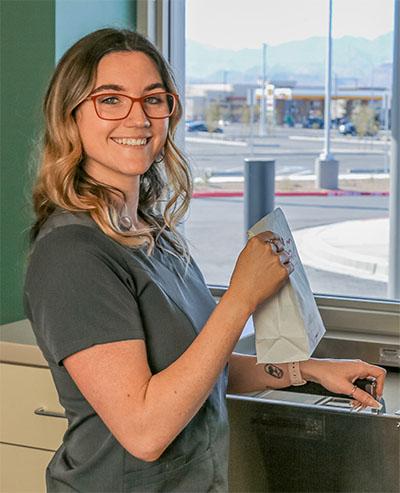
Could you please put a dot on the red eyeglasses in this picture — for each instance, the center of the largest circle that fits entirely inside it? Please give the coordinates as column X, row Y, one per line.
column 113, row 106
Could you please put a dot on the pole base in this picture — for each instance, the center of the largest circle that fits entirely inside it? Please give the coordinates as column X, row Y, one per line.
column 327, row 173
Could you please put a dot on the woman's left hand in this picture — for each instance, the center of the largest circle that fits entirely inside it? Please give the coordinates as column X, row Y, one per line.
column 339, row 375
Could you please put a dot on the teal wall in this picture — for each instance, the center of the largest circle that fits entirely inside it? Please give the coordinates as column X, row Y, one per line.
column 27, row 59
column 75, row 18
column 34, row 33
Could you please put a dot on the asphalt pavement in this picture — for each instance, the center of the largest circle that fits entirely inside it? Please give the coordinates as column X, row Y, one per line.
column 342, row 241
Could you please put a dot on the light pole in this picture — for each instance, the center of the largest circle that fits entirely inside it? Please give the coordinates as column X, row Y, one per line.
column 326, row 166
column 262, row 128
column 386, row 99
column 250, row 103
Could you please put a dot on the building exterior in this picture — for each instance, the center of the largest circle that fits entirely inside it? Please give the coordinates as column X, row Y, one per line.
column 287, row 103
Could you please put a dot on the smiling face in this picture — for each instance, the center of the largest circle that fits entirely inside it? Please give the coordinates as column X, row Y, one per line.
column 118, row 152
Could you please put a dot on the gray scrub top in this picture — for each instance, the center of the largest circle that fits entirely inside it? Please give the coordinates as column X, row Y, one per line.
column 82, row 288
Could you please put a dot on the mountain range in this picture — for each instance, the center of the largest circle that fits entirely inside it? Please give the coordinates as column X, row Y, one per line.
column 356, row 61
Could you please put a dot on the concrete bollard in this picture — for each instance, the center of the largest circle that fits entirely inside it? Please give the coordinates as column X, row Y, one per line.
column 327, row 173
column 259, row 190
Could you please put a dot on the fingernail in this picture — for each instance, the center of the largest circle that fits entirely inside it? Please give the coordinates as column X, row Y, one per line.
column 377, row 405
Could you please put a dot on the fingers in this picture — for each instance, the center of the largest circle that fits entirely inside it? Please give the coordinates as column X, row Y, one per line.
column 289, row 267
column 286, row 261
column 362, row 399
column 277, row 245
column 372, row 372
column 379, row 374
column 284, row 257
column 275, row 241
column 269, row 236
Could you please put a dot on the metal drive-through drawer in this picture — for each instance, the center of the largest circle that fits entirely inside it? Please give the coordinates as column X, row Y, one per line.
column 25, row 390
column 318, row 447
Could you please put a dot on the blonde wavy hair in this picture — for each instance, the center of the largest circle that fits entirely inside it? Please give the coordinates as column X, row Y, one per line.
column 62, row 181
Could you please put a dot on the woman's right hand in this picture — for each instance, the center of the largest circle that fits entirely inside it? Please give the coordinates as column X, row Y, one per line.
column 261, row 270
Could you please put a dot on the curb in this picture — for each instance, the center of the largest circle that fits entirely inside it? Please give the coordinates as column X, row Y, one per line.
column 341, row 140
column 239, row 143
column 323, row 193
column 317, row 251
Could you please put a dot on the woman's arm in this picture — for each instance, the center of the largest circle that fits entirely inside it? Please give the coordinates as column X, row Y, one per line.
column 245, row 375
column 146, row 412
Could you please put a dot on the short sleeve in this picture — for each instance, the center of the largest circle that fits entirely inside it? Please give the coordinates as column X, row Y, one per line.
column 78, row 293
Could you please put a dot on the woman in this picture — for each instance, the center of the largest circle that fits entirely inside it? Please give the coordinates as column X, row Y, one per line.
column 138, row 350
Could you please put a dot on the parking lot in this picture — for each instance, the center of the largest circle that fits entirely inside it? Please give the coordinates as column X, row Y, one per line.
column 293, row 149
column 215, row 226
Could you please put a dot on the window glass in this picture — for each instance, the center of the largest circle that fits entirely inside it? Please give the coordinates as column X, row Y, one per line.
column 232, row 53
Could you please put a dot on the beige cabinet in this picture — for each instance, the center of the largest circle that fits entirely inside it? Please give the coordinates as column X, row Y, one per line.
column 32, row 426
column 23, row 469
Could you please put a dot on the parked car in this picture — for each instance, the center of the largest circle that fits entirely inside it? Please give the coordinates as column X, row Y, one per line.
column 335, row 122
column 347, row 128
column 313, row 122
column 201, row 127
column 196, row 127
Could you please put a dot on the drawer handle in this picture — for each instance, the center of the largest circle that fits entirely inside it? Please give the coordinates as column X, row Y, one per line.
column 41, row 411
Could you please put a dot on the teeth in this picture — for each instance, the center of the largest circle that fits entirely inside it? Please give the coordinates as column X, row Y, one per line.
column 131, row 142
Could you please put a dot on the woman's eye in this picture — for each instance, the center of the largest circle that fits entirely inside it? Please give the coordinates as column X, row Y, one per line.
column 153, row 100
column 110, row 100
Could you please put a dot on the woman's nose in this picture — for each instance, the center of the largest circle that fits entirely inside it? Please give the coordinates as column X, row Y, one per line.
column 136, row 116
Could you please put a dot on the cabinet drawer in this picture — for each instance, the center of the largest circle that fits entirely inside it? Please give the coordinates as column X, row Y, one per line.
column 24, row 390
column 23, row 469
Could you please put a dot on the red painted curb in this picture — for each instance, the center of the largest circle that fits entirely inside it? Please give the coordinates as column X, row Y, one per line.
column 322, row 193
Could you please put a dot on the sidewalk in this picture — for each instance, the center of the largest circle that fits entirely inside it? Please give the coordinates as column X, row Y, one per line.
column 357, row 248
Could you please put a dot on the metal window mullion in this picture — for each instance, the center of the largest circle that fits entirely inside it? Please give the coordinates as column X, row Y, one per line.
column 173, row 48
column 394, row 203
column 147, row 19
column 171, row 16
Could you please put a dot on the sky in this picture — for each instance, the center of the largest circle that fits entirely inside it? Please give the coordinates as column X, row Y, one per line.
column 237, row 24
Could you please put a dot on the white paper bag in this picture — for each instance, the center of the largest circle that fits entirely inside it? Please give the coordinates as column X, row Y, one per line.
column 288, row 325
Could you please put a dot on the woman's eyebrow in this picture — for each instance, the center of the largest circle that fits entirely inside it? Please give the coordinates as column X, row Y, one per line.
column 156, row 85
column 108, row 87
column 116, row 87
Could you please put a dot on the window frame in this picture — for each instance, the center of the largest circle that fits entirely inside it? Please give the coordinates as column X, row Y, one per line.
column 164, row 22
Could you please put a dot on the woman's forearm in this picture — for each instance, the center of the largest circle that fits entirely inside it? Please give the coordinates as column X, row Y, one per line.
column 245, row 375
column 337, row 376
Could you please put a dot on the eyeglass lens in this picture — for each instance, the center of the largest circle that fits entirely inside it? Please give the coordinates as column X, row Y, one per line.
column 158, row 105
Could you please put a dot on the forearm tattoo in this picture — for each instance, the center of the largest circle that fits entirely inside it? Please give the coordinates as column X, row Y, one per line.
column 273, row 370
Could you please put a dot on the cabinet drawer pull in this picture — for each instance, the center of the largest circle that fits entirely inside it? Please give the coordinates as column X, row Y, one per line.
column 41, row 411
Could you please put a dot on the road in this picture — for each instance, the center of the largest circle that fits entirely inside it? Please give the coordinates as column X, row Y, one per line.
column 294, row 151
column 215, row 230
